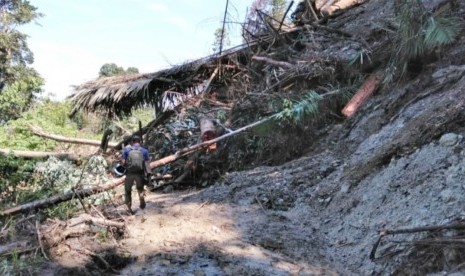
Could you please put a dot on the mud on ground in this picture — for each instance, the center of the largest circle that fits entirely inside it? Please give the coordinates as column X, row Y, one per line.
column 319, row 214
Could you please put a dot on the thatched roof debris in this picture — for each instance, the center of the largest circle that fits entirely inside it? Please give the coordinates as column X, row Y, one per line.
column 166, row 88
column 124, row 93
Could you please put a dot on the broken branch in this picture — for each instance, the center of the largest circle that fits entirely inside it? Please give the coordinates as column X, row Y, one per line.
column 274, row 62
column 385, row 232
column 39, row 132
column 39, row 154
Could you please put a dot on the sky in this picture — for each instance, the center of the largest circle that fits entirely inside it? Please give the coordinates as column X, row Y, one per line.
column 75, row 38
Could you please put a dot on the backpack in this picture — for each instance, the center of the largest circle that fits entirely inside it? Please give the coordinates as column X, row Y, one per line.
column 135, row 161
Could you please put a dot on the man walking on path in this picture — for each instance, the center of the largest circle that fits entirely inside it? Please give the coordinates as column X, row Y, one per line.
column 136, row 159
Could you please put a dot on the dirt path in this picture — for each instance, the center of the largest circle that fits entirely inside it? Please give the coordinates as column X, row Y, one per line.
column 179, row 234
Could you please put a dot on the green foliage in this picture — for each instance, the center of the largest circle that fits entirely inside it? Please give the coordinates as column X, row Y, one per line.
column 132, row 70
column 18, row 96
column 360, row 56
column 441, row 31
column 63, row 211
column 221, row 40
column 103, row 235
column 18, row 82
column 13, row 173
column 419, row 33
column 13, row 46
column 48, row 115
column 296, row 111
column 111, row 69
column 221, row 115
column 15, row 265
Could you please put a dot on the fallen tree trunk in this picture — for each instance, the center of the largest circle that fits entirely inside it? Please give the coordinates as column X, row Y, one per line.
column 39, row 154
column 39, row 132
column 61, row 198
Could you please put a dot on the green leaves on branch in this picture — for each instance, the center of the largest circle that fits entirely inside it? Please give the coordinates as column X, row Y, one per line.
column 295, row 111
column 441, row 31
column 14, row 52
column 111, row 69
column 419, row 33
column 17, row 96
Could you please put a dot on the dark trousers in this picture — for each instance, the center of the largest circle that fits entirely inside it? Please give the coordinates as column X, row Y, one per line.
column 132, row 178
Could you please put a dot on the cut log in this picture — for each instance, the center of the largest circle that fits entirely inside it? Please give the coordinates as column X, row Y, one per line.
column 39, row 132
column 208, row 131
column 39, row 154
column 368, row 87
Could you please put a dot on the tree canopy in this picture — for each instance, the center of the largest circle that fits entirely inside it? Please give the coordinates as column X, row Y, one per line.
column 111, row 69
column 18, row 82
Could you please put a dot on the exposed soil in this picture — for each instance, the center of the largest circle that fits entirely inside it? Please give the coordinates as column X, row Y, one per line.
column 319, row 214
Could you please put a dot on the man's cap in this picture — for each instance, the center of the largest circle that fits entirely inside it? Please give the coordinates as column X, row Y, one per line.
column 136, row 138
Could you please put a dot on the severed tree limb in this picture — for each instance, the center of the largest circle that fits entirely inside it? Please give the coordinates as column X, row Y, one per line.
column 385, row 232
column 39, row 154
column 187, row 168
column 39, row 132
column 39, row 238
column 86, row 218
column 67, row 233
column 60, row 198
column 274, row 62
column 456, row 226
column 206, row 89
column 105, row 140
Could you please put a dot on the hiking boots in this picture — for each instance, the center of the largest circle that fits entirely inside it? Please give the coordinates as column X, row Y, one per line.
column 130, row 211
column 142, row 202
